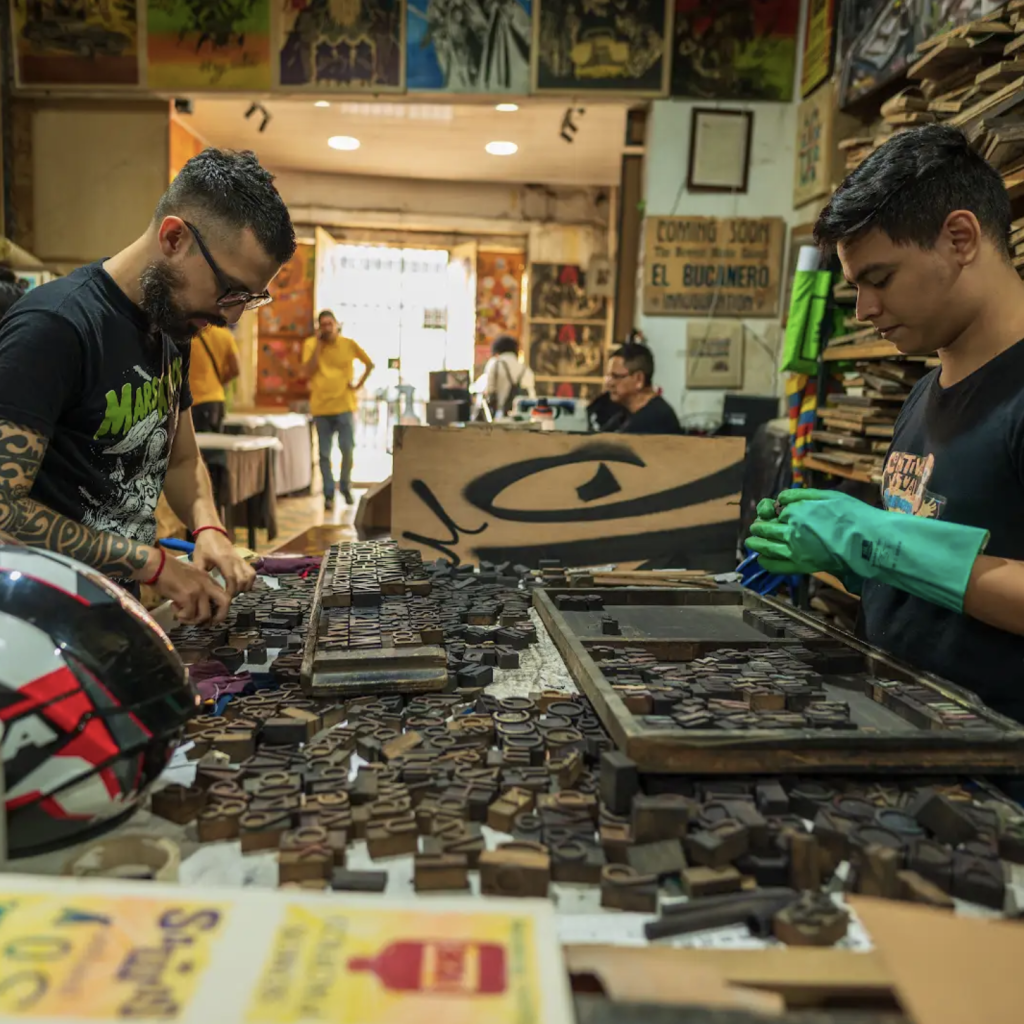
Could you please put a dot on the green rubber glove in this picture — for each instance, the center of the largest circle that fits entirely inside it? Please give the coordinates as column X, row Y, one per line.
column 827, row 531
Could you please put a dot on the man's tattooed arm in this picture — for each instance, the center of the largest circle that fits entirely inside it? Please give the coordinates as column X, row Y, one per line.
column 21, row 454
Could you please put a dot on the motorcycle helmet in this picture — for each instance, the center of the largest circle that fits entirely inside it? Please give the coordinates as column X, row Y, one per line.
column 93, row 700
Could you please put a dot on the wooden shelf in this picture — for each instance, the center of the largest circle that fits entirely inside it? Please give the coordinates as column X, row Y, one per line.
column 881, row 349
column 850, row 474
column 829, row 580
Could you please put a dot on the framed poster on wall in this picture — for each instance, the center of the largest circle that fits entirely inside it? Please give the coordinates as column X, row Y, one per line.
column 720, row 150
column 708, row 266
column 819, row 45
column 350, row 46
column 714, row 354
column 478, row 46
column 582, row 46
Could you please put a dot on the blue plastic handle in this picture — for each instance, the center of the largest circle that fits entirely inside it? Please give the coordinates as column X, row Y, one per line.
column 172, row 544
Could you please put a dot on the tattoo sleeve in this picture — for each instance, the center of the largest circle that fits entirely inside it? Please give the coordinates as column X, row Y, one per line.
column 21, row 454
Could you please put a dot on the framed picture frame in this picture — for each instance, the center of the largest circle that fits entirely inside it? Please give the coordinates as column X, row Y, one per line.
column 720, row 144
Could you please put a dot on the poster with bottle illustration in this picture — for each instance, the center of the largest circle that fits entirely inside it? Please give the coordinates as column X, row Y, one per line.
column 196, row 44
column 619, row 46
column 735, row 49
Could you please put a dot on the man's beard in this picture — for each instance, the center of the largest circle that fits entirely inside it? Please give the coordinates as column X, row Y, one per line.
column 160, row 282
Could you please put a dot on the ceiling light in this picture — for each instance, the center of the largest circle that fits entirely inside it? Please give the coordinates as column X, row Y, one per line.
column 507, row 108
column 322, row 103
column 343, row 142
column 501, row 148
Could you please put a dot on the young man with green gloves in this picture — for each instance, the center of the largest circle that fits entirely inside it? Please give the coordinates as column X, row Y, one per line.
column 922, row 230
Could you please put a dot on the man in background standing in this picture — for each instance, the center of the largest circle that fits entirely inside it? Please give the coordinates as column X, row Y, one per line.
column 327, row 360
column 214, row 363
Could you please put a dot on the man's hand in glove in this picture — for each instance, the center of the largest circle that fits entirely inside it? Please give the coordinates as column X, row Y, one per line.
column 828, row 531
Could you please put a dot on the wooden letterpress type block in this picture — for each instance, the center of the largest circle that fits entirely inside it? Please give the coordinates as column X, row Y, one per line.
column 833, row 835
column 567, row 770
column 814, row 920
column 284, row 731
column 701, row 881
column 807, row 798
column 949, row 822
column 767, row 869
column 571, row 802
column 304, row 854
column 771, row 798
column 307, row 717
column 472, row 846
column 391, row 838
column 502, row 814
column 365, row 787
column 744, row 812
column 933, row 861
column 401, row 745
column 360, row 821
column 665, row 816
column 665, row 858
column 979, row 880
column 238, row 744
column 576, row 861
column 622, row 888
column 718, row 846
column 440, row 872
column 358, row 881
column 1011, row 841
column 516, row 871
column 877, row 871
column 855, row 808
column 916, row 889
column 804, row 862
column 220, row 821
column 262, row 830
column 180, row 804
column 899, row 822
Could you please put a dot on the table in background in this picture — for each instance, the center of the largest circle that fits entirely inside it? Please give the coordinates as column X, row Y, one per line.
column 293, row 463
column 242, row 469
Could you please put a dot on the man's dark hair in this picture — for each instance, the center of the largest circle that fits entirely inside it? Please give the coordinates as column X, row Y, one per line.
column 221, row 188
column 910, row 185
column 638, row 359
column 505, row 343
column 326, row 312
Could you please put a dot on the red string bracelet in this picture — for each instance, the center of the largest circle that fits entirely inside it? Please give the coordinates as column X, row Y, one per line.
column 159, row 569
column 219, row 529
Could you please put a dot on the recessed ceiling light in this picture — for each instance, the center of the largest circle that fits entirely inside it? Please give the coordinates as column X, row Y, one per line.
column 343, row 142
column 507, row 108
column 322, row 103
column 501, row 148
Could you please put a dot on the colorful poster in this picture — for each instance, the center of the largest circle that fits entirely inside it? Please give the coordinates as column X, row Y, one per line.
column 389, row 967
column 76, row 956
column 558, row 291
column 499, row 287
column 480, row 46
column 735, row 49
column 567, row 349
column 61, row 43
column 582, row 46
column 586, row 390
column 199, row 44
column 291, row 312
column 819, row 45
column 356, row 45
column 884, row 50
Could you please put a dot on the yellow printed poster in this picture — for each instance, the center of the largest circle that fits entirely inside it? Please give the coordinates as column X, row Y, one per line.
column 360, row 965
column 88, row 957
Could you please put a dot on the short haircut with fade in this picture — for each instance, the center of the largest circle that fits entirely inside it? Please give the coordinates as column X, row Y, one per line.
column 221, row 188
column 326, row 312
column 909, row 186
column 638, row 359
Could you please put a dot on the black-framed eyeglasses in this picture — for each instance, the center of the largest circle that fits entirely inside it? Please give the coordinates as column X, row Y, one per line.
column 618, row 376
column 231, row 294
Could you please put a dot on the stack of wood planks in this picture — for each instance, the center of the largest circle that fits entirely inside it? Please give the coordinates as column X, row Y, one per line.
column 854, row 429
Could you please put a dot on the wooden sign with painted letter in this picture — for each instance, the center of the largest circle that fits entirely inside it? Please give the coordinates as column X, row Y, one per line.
column 497, row 495
column 711, row 266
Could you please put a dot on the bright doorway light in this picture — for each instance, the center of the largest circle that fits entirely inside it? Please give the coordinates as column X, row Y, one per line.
column 322, row 103
column 501, row 148
column 507, row 108
column 345, row 142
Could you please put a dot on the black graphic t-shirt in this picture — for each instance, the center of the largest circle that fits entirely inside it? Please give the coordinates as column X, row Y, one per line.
column 79, row 365
column 958, row 454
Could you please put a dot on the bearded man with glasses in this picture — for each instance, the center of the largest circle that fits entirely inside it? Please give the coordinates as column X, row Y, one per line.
column 95, row 405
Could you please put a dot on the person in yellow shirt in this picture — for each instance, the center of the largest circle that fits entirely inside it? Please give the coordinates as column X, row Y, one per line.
column 327, row 360
column 213, row 363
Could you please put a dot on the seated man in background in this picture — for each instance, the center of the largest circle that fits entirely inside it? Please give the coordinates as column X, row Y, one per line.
column 628, row 382
column 328, row 359
column 214, row 363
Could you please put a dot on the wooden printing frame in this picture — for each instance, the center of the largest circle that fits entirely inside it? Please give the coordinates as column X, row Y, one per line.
column 777, row 751
column 357, row 673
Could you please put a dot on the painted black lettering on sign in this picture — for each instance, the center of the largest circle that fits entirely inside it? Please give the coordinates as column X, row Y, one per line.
column 427, row 496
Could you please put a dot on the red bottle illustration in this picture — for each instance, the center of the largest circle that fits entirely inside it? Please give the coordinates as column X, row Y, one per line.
column 470, row 968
